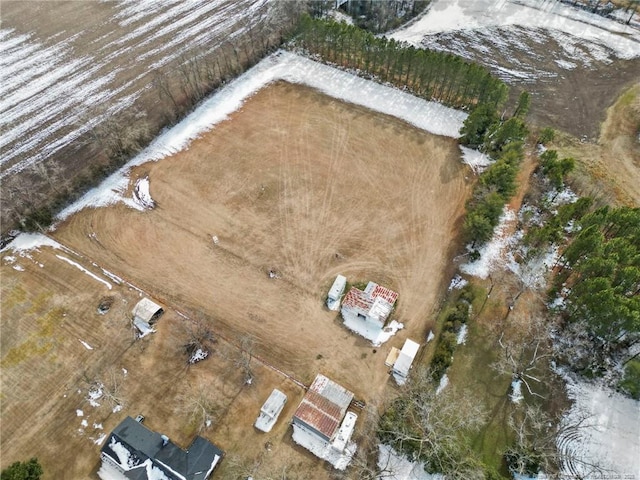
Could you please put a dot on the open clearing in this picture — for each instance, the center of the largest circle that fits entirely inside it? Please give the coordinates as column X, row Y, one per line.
column 296, row 182
column 307, row 186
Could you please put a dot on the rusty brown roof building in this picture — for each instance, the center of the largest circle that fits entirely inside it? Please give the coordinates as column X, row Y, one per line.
column 323, row 407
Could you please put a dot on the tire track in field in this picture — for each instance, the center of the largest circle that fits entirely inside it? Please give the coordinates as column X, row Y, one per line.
column 52, row 85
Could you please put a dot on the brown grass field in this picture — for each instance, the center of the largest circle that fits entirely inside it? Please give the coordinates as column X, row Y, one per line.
column 296, row 182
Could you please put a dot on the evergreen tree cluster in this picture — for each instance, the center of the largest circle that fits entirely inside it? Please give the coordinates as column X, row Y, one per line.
column 503, row 141
column 599, row 277
column 427, row 74
column 30, row 470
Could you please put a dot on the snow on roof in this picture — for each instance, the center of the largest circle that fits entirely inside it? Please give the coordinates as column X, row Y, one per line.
column 136, row 448
column 146, row 310
column 324, row 405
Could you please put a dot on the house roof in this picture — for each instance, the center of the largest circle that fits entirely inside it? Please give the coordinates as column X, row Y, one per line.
column 324, row 406
column 138, row 450
column 375, row 301
column 146, row 309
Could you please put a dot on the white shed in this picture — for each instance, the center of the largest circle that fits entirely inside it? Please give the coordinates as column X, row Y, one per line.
column 335, row 292
column 270, row 411
column 404, row 361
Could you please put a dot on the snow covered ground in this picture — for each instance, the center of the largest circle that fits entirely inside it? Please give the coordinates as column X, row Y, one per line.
column 53, row 88
column 430, row 116
column 393, row 466
column 611, row 436
column 519, row 30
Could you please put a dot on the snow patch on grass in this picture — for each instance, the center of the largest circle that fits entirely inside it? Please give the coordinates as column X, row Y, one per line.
column 444, row 381
column 478, row 161
column 493, row 253
column 85, row 345
column 82, row 269
column 394, row 466
column 611, row 439
column 479, row 15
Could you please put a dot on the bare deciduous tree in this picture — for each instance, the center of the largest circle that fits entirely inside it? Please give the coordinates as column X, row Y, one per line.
column 244, row 357
column 200, row 406
column 435, row 427
column 199, row 338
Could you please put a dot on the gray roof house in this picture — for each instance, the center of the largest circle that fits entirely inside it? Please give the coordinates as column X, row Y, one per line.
column 133, row 452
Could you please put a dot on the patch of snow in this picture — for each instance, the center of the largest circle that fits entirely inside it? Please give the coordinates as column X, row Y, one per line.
column 481, row 15
column 457, row 282
column 532, row 272
column 125, row 372
column 82, row 269
column 95, row 393
column 563, row 197
column 86, row 345
column 19, row 268
column 125, row 459
column 611, row 437
column 338, row 16
column 84, row 423
column 116, row 409
column 431, row 336
column 198, row 356
column 567, row 65
column 97, row 426
column 444, row 381
column 371, row 331
column 516, row 391
column 30, row 241
column 492, row 254
column 9, row 259
column 100, row 439
column 477, row 160
column 430, row 116
column 394, row 466
column 114, row 278
column 461, row 338
column 79, row 413
column 141, row 196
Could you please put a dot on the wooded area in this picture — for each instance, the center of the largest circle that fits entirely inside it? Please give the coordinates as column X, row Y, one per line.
column 431, row 75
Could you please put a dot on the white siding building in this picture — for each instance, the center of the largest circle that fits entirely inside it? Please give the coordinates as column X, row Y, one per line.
column 403, row 363
column 372, row 305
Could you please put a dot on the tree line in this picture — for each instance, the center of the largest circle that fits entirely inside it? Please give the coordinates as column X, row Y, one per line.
column 503, row 141
column 427, row 74
column 379, row 16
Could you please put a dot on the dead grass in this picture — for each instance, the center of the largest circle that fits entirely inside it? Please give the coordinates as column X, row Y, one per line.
column 296, row 182
column 610, row 169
